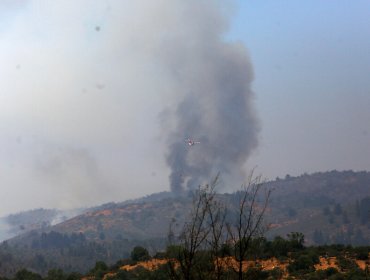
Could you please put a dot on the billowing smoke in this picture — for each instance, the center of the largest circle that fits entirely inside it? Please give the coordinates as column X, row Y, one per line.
column 215, row 109
column 83, row 84
column 214, row 104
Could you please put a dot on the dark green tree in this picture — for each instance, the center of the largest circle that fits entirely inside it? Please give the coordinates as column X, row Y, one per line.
column 302, row 264
column 140, row 254
column 296, row 241
column 25, row 274
column 99, row 270
column 279, row 247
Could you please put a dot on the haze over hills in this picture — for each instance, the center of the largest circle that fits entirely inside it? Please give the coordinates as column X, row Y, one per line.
column 328, row 207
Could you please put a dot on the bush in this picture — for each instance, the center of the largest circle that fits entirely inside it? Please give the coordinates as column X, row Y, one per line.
column 140, row 254
column 25, row 274
column 256, row 273
column 346, row 264
column 99, row 270
column 362, row 253
column 276, row 273
column 303, row 263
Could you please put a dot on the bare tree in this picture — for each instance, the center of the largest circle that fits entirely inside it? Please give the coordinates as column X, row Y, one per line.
column 193, row 236
column 248, row 221
column 217, row 212
column 212, row 223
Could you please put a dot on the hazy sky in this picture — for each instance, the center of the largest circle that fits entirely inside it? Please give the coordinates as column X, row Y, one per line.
column 84, row 84
column 312, row 65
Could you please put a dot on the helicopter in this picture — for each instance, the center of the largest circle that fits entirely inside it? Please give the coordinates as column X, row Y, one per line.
column 191, row 142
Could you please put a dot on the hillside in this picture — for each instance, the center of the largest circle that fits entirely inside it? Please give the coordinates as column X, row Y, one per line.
column 326, row 207
column 330, row 207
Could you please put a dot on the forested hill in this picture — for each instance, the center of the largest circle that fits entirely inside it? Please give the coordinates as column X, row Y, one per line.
column 329, row 207
column 341, row 187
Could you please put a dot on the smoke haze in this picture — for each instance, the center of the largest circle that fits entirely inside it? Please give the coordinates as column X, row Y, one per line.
column 98, row 98
column 215, row 108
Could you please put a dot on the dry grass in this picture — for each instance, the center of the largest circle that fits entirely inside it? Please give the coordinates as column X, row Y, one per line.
column 270, row 264
column 151, row 265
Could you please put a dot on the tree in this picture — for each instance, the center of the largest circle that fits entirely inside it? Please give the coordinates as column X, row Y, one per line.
column 194, row 234
column 279, row 247
column 140, row 254
column 248, row 220
column 99, row 270
column 204, row 236
column 217, row 212
column 25, row 274
column 303, row 263
column 296, row 240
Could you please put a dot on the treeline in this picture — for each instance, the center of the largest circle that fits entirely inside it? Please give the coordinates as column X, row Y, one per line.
column 69, row 252
column 293, row 261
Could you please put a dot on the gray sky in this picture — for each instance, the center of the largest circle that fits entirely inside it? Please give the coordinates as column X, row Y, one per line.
column 83, row 85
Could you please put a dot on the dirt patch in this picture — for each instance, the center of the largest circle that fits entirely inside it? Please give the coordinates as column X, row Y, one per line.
column 325, row 263
column 151, row 265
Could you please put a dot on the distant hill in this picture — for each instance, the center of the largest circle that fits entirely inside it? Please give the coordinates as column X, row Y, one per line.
column 328, row 207
column 25, row 221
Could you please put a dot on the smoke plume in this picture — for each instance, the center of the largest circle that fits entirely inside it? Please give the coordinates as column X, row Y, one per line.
column 83, row 84
column 214, row 104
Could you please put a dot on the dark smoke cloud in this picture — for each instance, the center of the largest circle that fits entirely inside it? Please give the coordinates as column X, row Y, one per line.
column 214, row 106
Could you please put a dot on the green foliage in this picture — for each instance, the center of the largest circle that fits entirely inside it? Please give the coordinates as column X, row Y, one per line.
column 279, row 247
column 296, row 241
column 362, row 253
column 25, row 274
column 303, row 263
column 256, row 273
column 120, row 275
column 74, row 276
column 330, row 273
column 276, row 273
column 140, row 254
column 99, row 270
column 225, row 250
column 346, row 264
column 357, row 274
column 174, row 251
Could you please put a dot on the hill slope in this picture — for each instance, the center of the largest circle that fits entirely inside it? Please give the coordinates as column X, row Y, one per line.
column 330, row 207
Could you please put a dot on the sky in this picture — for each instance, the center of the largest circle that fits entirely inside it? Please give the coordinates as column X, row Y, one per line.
column 87, row 90
column 311, row 61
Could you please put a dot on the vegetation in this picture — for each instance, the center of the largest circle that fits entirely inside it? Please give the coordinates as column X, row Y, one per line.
column 212, row 225
column 280, row 258
column 328, row 208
